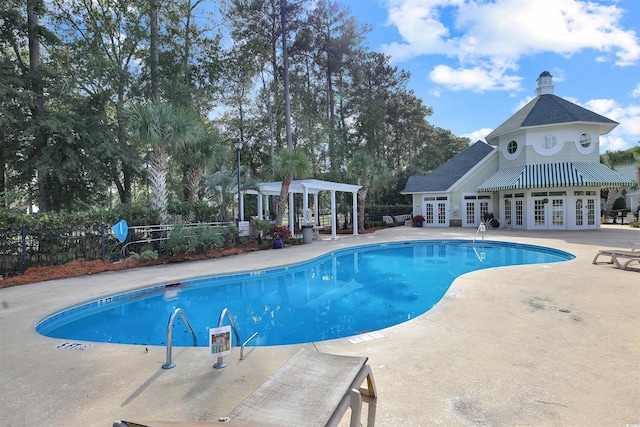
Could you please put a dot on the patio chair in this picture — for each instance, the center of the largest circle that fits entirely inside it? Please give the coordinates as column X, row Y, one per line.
column 311, row 389
column 621, row 258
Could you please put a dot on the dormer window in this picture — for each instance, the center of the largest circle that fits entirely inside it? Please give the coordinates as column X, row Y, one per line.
column 512, row 147
column 585, row 140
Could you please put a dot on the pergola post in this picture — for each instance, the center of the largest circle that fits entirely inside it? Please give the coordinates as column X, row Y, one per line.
column 305, row 205
column 333, row 214
column 316, row 211
column 260, row 213
column 355, row 213
column 266, row 207
column 291, row 212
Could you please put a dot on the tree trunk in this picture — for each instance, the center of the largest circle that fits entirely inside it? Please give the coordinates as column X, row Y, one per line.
column 193, row 182
column 611, row 197
column 155, row 84
column 38, row 109
column 362, row 197
column 159, row 168
column 124, row 189
column 285, row 62
column 283, row 199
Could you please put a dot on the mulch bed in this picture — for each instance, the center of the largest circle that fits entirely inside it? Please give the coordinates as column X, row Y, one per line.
column 82, row 267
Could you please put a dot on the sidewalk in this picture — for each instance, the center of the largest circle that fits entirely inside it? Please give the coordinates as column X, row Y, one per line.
column 543, row 345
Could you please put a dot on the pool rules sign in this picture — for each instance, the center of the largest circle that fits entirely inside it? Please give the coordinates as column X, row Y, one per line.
column 220, row 341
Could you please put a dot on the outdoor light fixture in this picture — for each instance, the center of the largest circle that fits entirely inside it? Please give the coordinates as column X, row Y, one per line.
column 238, row 145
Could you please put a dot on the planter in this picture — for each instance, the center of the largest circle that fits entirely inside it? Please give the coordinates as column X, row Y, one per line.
column 418, row 223
column 278, row 243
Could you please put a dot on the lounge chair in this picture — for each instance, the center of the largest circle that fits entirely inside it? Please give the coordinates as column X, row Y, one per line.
column 621, row 258
column 311, row 389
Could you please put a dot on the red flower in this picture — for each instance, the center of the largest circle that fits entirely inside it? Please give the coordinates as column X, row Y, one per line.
column 281, row 231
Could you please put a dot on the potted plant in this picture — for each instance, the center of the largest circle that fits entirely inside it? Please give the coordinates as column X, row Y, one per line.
column 280, row 234
column 418, row 220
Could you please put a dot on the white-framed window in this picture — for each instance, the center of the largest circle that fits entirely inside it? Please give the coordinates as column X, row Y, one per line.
column 547, row 145
column 547, row 142
column 512, row 150
column 585, row 143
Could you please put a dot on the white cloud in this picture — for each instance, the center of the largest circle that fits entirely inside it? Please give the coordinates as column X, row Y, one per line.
column 490, row 36
column 636, row 92
column 478, row 135
column 627, row 133
column 476, row 79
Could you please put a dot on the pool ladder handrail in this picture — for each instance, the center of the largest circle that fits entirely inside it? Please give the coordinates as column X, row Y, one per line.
column 481, row 229
column 226, row 313
column 169, row 364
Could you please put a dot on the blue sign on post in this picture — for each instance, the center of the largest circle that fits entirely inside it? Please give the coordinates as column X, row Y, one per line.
column 121, row 230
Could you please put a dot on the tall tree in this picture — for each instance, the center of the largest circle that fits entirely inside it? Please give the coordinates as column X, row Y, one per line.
column 103, row 41
column 330, row 37
column 369, row 174
column 285, row 164
column 161, row 126
column 202, row 152
column 39, row 112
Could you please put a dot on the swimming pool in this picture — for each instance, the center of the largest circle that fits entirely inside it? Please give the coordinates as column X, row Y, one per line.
column 343, row 293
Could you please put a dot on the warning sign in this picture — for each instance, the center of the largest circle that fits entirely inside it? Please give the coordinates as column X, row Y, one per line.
column 220, row 341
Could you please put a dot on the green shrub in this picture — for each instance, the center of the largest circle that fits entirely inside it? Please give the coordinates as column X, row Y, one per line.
column 634, row 224
column 199, row 211
column 177, row 241
column 619, row 204
column 204, row 239
column 145, row 255
column 263, row 227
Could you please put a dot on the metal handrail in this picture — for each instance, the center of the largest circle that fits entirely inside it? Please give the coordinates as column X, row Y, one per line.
column 481, row 228
column 169, row 364
column 164, row 228
column 225, row 313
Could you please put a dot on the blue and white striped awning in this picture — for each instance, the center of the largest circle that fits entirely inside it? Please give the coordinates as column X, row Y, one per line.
column 552, row 175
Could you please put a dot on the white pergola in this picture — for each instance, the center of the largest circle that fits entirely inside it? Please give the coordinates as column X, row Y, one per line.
column 304, row 187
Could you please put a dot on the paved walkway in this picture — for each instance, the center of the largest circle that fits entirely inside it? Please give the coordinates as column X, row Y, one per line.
column 540, row 345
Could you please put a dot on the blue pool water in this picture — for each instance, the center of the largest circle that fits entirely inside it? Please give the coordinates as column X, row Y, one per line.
column 344, row 293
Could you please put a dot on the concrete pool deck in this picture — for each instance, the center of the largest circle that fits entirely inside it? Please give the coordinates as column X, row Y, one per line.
column 540, row 345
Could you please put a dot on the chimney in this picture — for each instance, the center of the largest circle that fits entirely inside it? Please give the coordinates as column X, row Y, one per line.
column 544, row 85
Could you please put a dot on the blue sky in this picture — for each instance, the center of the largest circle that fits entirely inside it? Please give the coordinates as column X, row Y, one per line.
column 476, row 61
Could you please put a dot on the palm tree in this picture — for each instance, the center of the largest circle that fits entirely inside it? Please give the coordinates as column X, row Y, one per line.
column 285, row 164
column 368, row 173
column 223, row 185
column 161, row 126
column 205, row 151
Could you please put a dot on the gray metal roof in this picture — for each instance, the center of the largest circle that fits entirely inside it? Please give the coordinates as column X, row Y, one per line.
column 447, row 174
column 550, row 109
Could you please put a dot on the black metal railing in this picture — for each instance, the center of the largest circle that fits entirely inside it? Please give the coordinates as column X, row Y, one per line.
column 26, row 247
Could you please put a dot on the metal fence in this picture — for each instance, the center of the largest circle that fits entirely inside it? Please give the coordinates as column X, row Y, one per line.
column 30, row 247
column 23, row 248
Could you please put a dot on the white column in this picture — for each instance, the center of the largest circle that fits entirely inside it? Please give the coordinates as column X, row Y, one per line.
column 333, row 214
column 266, row 207
column 291, row 209
column 316, row 211
column 260, row 213
column 305, row 205
column 355, row 214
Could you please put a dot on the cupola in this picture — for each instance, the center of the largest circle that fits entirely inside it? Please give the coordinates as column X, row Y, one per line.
column 544, row 85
